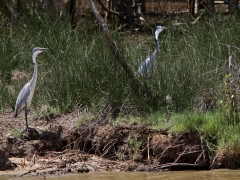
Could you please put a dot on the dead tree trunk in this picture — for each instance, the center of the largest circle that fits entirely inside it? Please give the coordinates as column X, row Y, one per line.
column 191, row 7
column 210, row 7
column 136, row 12
column 4, row 9
column 15, row 12
column 107, row 14
column 196, row 7
column 72, row 12
column 233, row 5
column 48, row 5
column 63, row 9
column 143, row 9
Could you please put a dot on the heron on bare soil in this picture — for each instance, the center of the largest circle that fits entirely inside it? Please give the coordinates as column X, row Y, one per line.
column 26, row 94
column 147, row 65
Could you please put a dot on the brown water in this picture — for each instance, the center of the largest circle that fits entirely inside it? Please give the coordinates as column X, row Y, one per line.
column 221, row 174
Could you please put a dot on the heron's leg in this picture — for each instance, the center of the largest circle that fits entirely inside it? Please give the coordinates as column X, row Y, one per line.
column 26, row 111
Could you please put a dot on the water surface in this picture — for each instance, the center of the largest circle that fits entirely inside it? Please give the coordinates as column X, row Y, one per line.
column 220, row 174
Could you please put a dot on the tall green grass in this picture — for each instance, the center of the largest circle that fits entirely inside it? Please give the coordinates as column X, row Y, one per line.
column 79, row 69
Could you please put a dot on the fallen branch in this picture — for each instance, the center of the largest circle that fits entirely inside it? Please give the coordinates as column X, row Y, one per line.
column 111, row 43
column 108, row 146
column 136, row 85
column 197, row 19
column 213, row 162
column 28, row 172
column 169, row 165
column 180, row 155
column 200, row 155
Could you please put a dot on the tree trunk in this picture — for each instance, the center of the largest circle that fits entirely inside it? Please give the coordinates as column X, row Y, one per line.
column 233, row 5
column 143, row 9
column 129, row 11
column 4, row 9
column 63, row 9
column 72, row 12
column 136, row 12
column 48, row 5
column 191, row 7
column 107, row 14
column 196, row 8
column 210, row 7
column 15, row 12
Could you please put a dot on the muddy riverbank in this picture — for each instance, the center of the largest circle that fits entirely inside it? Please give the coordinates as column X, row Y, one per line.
column 59, row 144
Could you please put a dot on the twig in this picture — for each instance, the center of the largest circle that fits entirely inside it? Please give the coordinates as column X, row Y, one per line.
column 213, row 161
column 180, row 155
column 148, row 147
column 197, row 19
column 169, row 147
column 34, row 170
column 200, row 155
column 229, row 46
column 110, row 144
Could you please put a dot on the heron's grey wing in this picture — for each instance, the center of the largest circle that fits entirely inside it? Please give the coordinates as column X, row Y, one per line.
column 22, row 98
column 145, row 66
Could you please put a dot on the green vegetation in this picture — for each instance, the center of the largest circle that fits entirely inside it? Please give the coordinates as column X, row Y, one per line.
column 80, row 71
column 16, row 133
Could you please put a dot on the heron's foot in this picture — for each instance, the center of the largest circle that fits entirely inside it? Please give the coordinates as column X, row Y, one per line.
column 30, row 134
column 28, row 129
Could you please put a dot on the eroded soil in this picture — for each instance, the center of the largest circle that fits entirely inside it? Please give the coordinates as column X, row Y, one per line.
column 58, row 145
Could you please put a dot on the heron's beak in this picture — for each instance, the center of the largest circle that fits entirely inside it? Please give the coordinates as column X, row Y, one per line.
column 44, row 49
column 161, row 27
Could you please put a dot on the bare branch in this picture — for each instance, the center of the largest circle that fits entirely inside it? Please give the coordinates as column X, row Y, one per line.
column 109, row 10
column 118, row 14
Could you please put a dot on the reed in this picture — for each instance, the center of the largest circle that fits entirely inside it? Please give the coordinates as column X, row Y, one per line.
column 79, row 69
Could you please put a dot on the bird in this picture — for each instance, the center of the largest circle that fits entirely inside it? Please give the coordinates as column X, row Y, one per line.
column 147, row 65
column 25, row 96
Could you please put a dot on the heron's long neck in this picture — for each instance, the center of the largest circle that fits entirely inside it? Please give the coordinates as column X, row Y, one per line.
column 157, row 46
column 157, row 43
column 34, row 78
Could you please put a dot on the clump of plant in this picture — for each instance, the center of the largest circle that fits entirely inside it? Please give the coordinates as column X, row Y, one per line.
column 16, row 133
column 134, row 149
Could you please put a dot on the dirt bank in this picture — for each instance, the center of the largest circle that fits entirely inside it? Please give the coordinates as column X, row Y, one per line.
column 58, row 145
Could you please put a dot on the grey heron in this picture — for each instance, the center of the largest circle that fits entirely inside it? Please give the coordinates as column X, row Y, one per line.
column 26, row 94
column 147, row 65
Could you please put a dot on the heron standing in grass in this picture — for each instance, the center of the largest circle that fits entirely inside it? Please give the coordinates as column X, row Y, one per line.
column 147, row 65
column 26, row 94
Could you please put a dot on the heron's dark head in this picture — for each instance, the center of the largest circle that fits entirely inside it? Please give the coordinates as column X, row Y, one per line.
column 36, row 51
column 158, row 30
